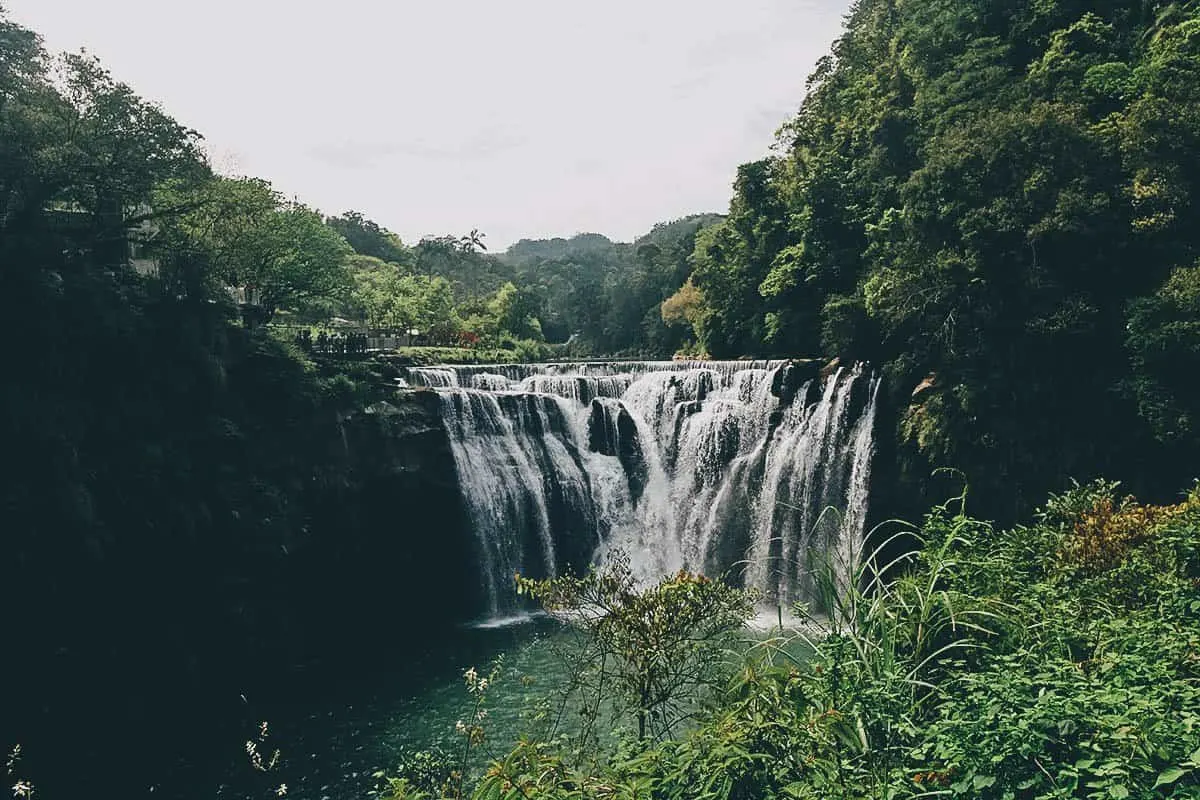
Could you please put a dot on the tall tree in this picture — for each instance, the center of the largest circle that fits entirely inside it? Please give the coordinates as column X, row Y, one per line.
column 977, row 191
column 276, row 254
column 369, row 239
column 473, row 241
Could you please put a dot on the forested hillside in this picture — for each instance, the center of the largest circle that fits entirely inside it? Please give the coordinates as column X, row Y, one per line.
column 606, row 296
column 995, row 202
column 189, row 510
column 1051, row 661
column 601, row 297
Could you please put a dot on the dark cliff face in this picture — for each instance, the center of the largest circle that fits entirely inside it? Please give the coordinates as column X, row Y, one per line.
column 363, row 549
column 393, row 550
column 613, row 432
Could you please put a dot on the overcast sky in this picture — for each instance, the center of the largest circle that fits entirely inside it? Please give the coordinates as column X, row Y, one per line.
column 523, row 118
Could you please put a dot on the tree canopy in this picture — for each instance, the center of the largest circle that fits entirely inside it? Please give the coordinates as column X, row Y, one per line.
column 996, row 194
column 277, row 254
column 993, row 202
column 605, row 296
column 369, row 239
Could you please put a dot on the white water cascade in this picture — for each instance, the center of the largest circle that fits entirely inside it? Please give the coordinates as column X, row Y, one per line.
column 756, row 470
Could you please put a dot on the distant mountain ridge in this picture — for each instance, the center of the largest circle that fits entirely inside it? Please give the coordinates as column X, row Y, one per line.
column 591, row 244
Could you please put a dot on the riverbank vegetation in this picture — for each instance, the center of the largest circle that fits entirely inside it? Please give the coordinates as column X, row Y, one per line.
column 195, row 513
column 991, row 202
column 190, row 510
column 1051, row 660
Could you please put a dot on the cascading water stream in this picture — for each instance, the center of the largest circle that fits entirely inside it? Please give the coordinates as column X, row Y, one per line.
column 755, row 470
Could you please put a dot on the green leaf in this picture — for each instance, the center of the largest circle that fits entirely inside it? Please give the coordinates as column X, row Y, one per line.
column 1169, row 776
column 984, row 781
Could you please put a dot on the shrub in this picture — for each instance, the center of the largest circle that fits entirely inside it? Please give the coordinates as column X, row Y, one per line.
column 654, row 650
column 1056, row 660
column 1104, row 534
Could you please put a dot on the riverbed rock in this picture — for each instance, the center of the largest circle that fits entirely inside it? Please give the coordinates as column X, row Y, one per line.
column 790, row 378
column 924, row 388
column 612, row 431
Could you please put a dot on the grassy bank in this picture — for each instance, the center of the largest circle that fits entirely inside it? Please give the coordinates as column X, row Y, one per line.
column 1059, row 659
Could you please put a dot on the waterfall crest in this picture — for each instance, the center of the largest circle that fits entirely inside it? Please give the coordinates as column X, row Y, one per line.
column 757, row 470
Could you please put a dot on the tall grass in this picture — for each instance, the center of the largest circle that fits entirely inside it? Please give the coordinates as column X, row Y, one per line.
column 954, row 660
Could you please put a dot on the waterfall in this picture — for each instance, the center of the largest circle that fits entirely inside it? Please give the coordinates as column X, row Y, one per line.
column 755, row 470
column 433, row 376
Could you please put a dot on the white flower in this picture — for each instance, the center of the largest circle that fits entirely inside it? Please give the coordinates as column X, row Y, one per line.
column 483, row 684
column 22, row 789
column 282, row 790
column 460, row 727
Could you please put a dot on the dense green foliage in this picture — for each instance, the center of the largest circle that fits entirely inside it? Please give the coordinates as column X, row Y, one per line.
column 600, row 297
column 1000, row 195
column 595, row 295
column 188, row 509
column 369, row 239
column 191, row 512
column 654, row 651
column 241, row 234
column 607, row 297
column 1056, row 660
column 993, row 202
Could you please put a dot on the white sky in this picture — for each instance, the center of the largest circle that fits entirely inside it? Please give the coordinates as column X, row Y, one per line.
column 523, row 118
